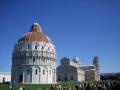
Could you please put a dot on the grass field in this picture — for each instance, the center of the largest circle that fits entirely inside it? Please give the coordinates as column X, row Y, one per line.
column 36, row 86
column 27, row 86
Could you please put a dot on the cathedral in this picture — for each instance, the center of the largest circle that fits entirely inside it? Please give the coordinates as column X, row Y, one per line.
column 34, row 58
column 72, row 70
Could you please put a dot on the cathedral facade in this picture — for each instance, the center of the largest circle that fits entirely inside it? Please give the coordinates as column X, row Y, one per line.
column 72, row 70
column 33, row 58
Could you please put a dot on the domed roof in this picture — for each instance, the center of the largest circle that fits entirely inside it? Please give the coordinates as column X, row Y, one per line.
column 76, row 59
column 35, row 34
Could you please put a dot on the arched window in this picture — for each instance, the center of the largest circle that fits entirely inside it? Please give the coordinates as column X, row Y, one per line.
column 43, row 72
column 36, row 71
column 35, row 47
column 28, row 71
column 33, row 59
column 59, row 79
column 71, row 77
column 29, row 47
column 50, row 72
column 21, row 47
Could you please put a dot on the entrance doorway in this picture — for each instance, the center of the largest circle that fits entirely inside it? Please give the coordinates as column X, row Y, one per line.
column 3, row 79
column 20, row 78
column 65, row 78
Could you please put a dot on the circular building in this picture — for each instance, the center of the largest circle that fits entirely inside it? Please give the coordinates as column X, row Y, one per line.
column 33, row 58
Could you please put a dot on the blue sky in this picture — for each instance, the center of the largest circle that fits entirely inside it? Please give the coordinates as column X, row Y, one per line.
column 83, row 28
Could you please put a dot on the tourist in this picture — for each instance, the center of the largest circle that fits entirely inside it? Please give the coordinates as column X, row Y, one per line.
column 77, row 87
column 10, row 87
column 88, row 87
column 52, row 88
column 59, row 86
column 21, row 88
column 39, row 89
column 13, row 88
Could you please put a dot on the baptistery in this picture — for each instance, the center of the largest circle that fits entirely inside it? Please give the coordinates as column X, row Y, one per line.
column 34, row 58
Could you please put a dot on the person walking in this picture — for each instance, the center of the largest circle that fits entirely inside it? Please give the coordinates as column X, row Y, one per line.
column 21, row 88
column 10, row 87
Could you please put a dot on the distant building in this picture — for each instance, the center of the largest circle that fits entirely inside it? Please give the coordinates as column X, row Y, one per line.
column 5, row 77
column 72, row 70
column 33, row 58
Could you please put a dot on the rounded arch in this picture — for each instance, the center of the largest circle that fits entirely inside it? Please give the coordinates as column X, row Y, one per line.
column 36, row 74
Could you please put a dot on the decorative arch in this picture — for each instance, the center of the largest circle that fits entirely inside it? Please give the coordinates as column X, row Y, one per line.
column 36, row 74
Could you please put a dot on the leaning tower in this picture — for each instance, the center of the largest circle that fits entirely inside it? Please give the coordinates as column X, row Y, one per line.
column 96, row 62
column 33, row 58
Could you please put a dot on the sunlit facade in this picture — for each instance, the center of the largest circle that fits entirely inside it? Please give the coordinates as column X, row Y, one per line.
column 34, row 58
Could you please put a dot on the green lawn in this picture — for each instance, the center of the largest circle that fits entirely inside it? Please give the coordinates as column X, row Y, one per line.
column 27, row 86
column 45, row 86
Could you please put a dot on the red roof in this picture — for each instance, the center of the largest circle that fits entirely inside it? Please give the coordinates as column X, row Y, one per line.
column 35, row 34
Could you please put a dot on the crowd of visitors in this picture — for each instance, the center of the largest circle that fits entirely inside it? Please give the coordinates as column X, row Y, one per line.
column 99, row 85
column 11, row 87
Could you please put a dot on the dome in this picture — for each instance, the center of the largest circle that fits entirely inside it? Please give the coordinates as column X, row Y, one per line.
column 35, row 34
column 76, row 60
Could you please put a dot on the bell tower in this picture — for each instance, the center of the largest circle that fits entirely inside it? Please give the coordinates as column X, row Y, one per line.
column 96, row 62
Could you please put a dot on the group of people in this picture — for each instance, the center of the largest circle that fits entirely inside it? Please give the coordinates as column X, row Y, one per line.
column 11, row 87
column 100, row 85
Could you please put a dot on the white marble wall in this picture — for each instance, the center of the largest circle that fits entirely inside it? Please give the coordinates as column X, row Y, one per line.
column 6, row 76
column 70, row 71
column 34, row 57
